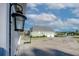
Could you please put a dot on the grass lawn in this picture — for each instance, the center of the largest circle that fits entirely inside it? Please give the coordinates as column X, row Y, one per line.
column 76, row 38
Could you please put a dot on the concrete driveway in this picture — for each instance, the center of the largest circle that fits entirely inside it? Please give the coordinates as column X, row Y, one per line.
column 58, row 46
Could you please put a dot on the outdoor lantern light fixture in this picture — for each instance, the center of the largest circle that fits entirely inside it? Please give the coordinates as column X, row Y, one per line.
column 18, row 18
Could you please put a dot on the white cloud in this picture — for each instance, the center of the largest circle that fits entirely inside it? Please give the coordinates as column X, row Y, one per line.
column 76, row 12
column 46, row 19
column 73, row 21
column 69, row 23
column 75, row 27
column 54, row 22
column 74, row 7
column 42, row 17
column 32, row 5
column 62, row 5
column 55, row 5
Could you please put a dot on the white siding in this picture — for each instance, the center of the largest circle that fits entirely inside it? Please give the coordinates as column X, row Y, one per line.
column 4, row 37
column 4, row 30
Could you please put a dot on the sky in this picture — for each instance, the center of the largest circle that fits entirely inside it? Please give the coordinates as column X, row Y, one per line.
column 59, row 16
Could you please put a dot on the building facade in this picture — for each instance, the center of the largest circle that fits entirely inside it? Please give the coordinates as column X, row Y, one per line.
column 42, row 31
column 4, row 31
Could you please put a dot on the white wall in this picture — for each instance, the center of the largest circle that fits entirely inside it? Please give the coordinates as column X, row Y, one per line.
column 15, row 35
column 15, row 38
column 4, row 37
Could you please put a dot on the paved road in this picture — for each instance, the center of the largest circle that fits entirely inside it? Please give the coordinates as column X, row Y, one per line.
column 66, row 46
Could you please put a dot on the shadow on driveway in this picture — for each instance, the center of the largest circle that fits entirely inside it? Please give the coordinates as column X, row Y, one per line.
column 52, row 52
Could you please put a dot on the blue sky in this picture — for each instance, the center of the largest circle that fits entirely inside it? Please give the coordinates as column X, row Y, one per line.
column 60, row 17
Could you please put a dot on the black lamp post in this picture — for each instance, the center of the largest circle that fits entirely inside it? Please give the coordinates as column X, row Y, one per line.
column 18, row 19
